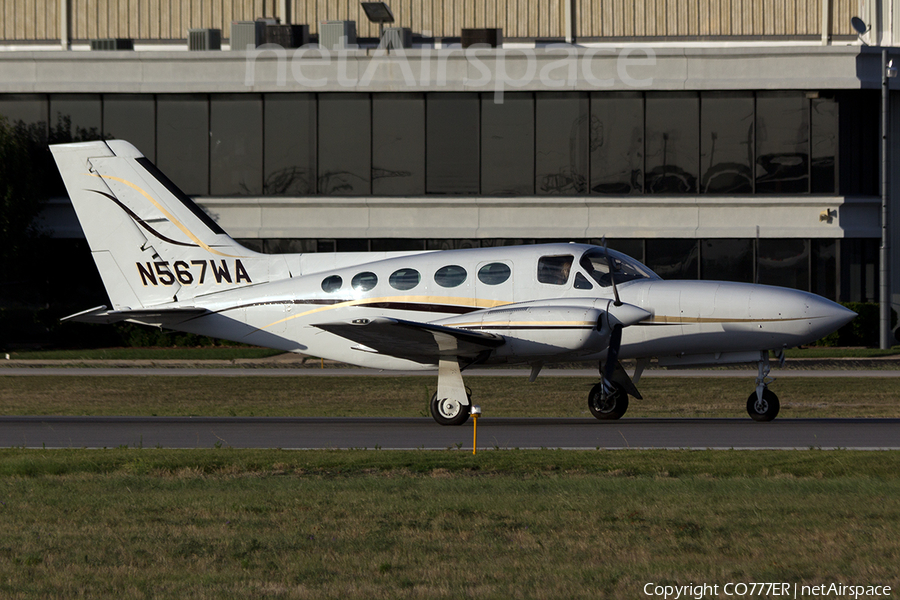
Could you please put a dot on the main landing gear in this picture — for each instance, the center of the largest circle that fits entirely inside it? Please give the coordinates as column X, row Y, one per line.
column 608, row 399
column 449, row 411
column 762, row 405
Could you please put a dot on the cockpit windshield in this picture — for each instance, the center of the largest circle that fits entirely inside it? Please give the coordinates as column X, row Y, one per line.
column 624, row 268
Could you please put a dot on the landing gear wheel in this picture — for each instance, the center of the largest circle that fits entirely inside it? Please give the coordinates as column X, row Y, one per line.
column 449, row 412
column 609, row 408
column 765, row 409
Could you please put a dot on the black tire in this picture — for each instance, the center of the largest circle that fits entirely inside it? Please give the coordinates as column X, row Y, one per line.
column 767, row 409
column 449, row 412
column 609, row 408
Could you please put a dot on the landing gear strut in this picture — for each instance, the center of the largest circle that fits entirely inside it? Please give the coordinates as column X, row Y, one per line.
column 762, row 405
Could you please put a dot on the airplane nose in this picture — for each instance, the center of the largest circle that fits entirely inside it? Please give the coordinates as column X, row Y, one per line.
column 826, row 316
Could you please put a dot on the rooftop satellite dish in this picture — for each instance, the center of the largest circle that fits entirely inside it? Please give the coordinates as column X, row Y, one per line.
column 859, row 26
column 378, row 12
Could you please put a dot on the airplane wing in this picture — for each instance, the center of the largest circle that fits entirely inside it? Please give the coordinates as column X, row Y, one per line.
column 159, row 316
column 423, row 343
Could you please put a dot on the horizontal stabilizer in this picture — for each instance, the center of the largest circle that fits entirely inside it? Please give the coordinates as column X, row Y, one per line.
column 419, row 342
column 157, row 316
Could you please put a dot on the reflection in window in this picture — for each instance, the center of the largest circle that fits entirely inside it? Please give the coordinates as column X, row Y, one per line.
column 290, row 144
column 784, row 262
column 673, row 120
column 332, row 283
column 507, row 145
column 345, row 157
column 131, row 117
column 363, row 282
column 824, row 145
column 727, row 260
column 404, row 279
column 673, row 258
column 452, row 160
column 235, row 144
column 726, row 143
column 581, row 282
column 494, row 273
column 617, row 143
column 450, row 276
column 554, row 269
column 597, row 261
column 782, row 143
column 823, row 277
column 182, row 140
column 561, row 142
column 398, row 144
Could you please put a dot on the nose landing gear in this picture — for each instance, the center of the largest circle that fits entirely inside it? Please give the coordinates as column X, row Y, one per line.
column 762, row 405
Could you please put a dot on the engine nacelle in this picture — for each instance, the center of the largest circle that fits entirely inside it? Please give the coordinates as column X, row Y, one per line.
column 535, row 331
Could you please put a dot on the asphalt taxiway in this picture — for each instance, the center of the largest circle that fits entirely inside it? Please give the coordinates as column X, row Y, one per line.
column 423, row 433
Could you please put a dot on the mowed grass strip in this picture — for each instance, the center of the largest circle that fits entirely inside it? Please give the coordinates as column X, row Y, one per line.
column 409, row 396
column 503, row 524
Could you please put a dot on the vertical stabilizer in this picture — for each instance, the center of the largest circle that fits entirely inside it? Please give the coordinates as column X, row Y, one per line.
column 151, row 243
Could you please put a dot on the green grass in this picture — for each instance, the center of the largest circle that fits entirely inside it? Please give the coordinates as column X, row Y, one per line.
column 408, row 396
column 202, row 353
column 825, row 352
column 502, row 524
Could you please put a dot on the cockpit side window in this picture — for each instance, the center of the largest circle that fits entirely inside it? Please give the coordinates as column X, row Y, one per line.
column 596, row 262
column 581, row 282
column 554, row 269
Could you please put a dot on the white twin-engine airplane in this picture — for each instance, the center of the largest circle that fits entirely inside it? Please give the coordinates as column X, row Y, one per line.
column 164, row 262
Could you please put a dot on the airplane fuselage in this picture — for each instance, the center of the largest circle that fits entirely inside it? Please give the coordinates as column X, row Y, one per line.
column 691, row 322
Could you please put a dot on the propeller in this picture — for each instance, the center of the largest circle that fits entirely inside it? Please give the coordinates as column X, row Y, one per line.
column 612, row 276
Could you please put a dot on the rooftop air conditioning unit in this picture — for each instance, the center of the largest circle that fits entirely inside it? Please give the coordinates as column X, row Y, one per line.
column 249, row 33
column 112, row 44
column 396, row 37
column 204, row 39
column 287, row 36
column 337, row 35
column 489, row 37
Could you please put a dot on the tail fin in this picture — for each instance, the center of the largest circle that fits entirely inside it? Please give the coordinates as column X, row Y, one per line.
column 151, row 243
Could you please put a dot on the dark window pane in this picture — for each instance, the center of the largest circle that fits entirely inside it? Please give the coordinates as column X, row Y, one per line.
column 507, row 145
column 363, row 282
column 404, row 279
column 562, row 137
column 859, row 270
column 182, row 141
column 672, row 258
column 396, row 245
column 727, row 260
column 726, row 143
column 554, row 269
column 345, row 153
column 617, row 143
column 450, row 276
column 581, row 283
column 784, row 263
column 131, row 117
column 451, row 244
column 824, row 268
column 452, row 130
column 494, row 273
column 860, row 142
column 631, row 247
column 824, row 145
column 76, row 117
column 31, row 109
column 332, row 283
column 782, row 143
column 290, row 144
column 673, row 123
column 398, row 144
column 235, row 144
